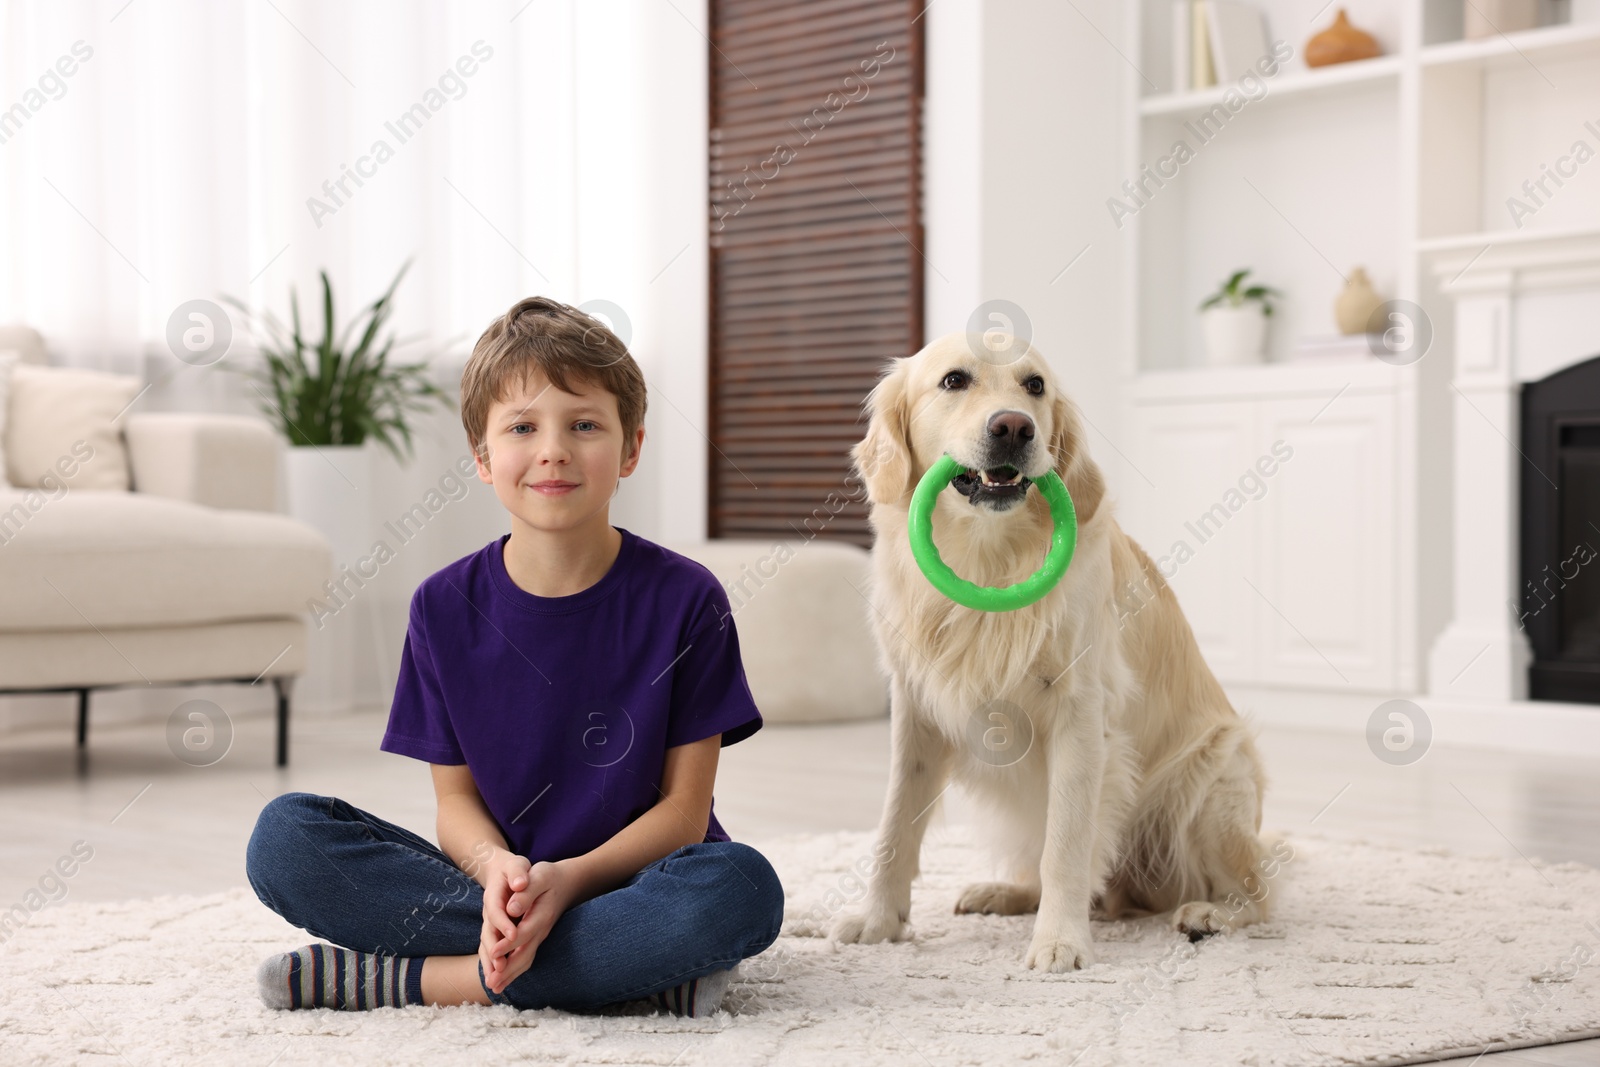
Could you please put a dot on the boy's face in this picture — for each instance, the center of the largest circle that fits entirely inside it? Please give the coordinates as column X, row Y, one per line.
column 540, row 434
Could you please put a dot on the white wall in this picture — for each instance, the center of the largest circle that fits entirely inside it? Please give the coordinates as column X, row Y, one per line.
column 1024, row 127
column 641, row 195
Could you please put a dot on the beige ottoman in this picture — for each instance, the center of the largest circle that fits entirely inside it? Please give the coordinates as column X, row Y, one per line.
column 803, row 631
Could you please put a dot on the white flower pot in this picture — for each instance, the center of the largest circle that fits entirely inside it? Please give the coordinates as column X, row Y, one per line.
column 1233, row 335
column 329, row 488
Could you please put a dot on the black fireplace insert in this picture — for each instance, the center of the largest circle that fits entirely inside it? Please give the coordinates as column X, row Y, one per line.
column 1559, row 601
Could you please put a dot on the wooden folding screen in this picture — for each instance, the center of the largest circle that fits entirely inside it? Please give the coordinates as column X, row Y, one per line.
column 816, row 251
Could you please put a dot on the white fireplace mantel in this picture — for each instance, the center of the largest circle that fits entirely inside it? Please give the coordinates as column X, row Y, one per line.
column 1524, row 307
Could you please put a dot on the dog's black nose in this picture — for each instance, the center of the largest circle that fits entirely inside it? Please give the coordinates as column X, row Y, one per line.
column 1011, row 424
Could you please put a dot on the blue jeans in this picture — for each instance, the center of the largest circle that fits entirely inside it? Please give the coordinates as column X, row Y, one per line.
column 350, row 878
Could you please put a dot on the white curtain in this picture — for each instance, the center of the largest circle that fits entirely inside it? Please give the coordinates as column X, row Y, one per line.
column 157, row 151
column 176, row 161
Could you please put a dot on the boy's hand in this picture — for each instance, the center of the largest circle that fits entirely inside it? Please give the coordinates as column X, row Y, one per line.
column 505, row 874
column 537, row 899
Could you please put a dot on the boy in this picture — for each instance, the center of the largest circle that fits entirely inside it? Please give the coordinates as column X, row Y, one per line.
column 571, row 684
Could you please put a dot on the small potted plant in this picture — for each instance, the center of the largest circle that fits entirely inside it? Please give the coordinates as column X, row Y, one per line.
column 1233, row 321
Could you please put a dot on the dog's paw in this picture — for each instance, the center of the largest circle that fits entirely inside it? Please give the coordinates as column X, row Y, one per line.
column 997, row 898
column 1200, row 918
column 868, row 927
column 1059, row 954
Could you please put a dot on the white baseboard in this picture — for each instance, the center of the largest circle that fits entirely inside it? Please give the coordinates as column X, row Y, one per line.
column 1539, row 726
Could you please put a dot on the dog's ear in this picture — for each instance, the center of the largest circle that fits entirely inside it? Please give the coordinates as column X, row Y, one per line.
column 883, row 456
column 1078, row 472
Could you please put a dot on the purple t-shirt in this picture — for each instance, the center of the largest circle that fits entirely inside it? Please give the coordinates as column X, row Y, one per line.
column 564, row 707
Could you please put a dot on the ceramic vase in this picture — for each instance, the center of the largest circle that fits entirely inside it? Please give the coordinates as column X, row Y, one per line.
column 1340, row 43
column 1355, row 305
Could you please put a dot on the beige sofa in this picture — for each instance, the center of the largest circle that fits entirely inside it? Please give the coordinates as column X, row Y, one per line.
column 190, row 577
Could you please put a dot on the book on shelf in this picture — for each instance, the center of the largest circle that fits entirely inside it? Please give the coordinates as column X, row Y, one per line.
column 1182, row 45
column 1238, row 37
column 1212, row 38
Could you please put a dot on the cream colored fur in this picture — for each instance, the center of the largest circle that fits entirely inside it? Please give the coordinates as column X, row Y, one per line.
column 1141, row 790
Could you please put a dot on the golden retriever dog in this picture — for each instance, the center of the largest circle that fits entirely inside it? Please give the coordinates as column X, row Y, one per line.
column 1112, row 775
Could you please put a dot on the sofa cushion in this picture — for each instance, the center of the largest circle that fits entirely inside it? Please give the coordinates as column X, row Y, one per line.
column 62, row 426
column 81, row 558
column 222, row 461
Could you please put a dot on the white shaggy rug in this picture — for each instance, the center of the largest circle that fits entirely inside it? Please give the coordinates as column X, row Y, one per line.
column 1377, row 955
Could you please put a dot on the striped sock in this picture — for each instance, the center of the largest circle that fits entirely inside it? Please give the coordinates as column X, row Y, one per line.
column 324, row 976
column 696, row 998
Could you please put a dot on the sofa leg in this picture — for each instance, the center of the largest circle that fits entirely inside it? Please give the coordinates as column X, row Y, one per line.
column 83, row 718
column 283, row 686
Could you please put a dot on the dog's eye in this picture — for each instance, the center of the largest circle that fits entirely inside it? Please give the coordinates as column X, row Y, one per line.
column 956, row 379
column 1035, row 385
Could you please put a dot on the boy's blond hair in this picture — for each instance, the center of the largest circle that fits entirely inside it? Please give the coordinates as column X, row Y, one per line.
column 564, row 344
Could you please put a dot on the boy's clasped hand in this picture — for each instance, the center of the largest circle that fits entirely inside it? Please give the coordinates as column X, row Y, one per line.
column 521, row 902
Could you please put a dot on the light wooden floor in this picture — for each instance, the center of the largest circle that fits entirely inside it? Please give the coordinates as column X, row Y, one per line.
column 159, row 826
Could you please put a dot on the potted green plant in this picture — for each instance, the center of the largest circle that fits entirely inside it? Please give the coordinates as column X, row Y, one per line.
column 326, row 393
column 1233, row 321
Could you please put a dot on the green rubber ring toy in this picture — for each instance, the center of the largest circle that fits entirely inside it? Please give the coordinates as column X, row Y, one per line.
column 1063, row 541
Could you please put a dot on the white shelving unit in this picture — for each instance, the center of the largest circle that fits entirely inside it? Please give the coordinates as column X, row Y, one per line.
column 1305, row 84
column 1374, row 163
column 1381, row 164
